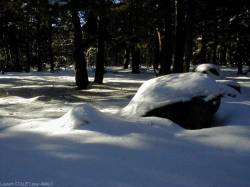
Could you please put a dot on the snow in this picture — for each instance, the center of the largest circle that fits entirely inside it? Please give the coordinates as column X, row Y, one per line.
column 169, row 89
column 228, row 87
column 76, row 138
column 212, row 70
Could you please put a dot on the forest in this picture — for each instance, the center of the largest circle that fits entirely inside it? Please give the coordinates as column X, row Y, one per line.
column 124, row 93
column 168, row 35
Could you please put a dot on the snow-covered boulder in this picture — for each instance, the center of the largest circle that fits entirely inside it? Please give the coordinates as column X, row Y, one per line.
column 212, row 70
column 177, row 96
column 229, row 87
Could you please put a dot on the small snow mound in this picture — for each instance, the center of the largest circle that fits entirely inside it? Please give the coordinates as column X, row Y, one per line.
column 79, row 116
column 75, row 119
column 212, row 70
column 170, row 89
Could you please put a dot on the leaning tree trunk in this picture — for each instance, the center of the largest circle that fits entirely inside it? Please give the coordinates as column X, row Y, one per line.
column 50, row 49
column 157, row 49
column 7, row 59
column 230, row 52
column 100, row 58
column 189, row 29
column 27, row 45
column 180, row 38
column 81, row 74
column 204, row 43
column 225, row 43
column 239, row 54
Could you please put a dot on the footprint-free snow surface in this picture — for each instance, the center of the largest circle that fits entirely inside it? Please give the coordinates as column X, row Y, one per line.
column 76, row 138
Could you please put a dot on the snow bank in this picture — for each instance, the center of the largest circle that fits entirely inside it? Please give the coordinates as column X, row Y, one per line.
column 86, row 117
column 169, row 89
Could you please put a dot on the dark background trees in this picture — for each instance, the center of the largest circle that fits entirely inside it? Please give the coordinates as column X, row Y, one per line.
column 168, row 35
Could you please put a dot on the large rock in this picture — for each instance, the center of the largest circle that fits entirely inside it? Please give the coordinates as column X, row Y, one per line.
column 193, row 114
column 189, row 99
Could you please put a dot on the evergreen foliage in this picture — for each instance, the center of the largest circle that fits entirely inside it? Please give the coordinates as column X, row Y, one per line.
column 168, row 35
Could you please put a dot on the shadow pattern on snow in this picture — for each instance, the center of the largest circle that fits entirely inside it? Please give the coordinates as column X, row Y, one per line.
column 117, row 152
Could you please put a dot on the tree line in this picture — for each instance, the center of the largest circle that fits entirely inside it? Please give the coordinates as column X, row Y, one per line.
column 169, row 35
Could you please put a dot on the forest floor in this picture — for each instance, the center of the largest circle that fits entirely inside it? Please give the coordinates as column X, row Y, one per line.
column 43, row 141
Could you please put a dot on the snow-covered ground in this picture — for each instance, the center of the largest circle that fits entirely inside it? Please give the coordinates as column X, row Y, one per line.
column 54, row 135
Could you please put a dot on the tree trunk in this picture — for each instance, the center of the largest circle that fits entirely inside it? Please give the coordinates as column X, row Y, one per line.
column 204, row 43
column 7, row 59
column 39, row 43
column 230, row 52
column 240, row 67
column 127, row 58
column 248, row 65
column 17, row 59
column 215, row 41
column 50, row 49
column 157, row 49
column 100, row 57
column 223, row 55
column 180, row 38
column 135, row 59
column 28, row 50
column 2, row 66
column 81, row 74
column 189, row 28
column 28, row 57
column 239, row 59
column 166, row 53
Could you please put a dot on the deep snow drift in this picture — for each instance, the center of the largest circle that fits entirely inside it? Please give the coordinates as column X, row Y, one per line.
column 52, row 140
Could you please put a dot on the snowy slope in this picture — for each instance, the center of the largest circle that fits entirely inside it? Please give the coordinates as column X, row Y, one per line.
column 91, row 147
